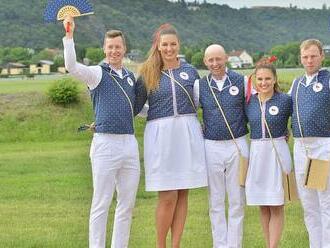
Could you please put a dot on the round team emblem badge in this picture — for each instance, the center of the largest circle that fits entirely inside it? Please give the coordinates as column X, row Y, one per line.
column 184, row 75
column 130, row 81
column 233, row 90
column 273, row 110
column 317, row 87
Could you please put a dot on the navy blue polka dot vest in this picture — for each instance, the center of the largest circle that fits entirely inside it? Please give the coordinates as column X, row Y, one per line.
column 278, row 110
column 170, row 99
column 112, row 110
column 232, row 100
column 313, row 105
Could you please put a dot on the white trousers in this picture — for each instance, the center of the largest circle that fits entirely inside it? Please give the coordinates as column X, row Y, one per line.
column 115, row 166
column 222, row 159
column 316, row 204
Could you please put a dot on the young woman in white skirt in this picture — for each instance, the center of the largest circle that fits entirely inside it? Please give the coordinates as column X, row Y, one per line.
column 264, row 178
column 174, row 156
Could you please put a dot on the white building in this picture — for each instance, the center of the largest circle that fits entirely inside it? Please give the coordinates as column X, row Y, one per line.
column 240, row 59
column 43, row 67
column 326, row 50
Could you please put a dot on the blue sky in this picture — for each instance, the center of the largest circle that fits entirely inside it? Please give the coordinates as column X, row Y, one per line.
column 317, row 4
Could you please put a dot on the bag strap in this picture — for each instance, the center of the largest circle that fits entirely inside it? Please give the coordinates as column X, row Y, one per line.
column 223, row 115
column 263, row 117
column 127, row 97
column 183, row 88
column 298, row 120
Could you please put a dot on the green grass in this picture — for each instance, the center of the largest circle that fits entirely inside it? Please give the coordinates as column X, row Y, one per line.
column 46, row 185
column 21, row 85
column 46, row 193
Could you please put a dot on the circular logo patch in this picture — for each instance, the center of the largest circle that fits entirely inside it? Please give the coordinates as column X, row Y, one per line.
column 273, row 110
column 233, row 90
column 317, row 87
column 184, row 75
column 130, row 81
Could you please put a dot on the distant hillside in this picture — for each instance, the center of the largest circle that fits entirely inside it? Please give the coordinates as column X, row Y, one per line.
column 21, row 24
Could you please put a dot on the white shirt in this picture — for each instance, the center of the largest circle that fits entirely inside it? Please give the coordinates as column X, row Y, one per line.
column 220, row 82
column 310, row 78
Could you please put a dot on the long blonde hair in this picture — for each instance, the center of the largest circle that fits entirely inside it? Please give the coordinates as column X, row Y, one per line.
column 150, row 70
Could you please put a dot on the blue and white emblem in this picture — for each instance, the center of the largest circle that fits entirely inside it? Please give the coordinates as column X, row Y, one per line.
column 184, row 75
column 233, row 90
column 317, row 87
column 130, row 81
column 273, row 110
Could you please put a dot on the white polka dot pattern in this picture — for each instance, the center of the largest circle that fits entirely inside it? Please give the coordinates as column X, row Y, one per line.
column 278, row 123
column 232, row 104
column 313, row 106
column 112, row 110
column 161, row 102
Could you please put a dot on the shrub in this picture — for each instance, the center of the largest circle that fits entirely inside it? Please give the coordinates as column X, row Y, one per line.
column 63, row 91
column 197, row 60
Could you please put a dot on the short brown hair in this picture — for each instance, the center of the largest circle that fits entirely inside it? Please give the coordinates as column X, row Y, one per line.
column 265, row 63
column 311, row 42
column 113, row 34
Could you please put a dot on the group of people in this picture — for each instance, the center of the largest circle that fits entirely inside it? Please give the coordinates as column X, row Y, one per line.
column 180, row 155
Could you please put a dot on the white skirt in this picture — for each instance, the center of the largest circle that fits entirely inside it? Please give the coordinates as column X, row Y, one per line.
column 174, row 155
column 264, row 178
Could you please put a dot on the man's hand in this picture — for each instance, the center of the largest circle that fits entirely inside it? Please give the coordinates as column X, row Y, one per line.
column 69, row 26
column 287, row 137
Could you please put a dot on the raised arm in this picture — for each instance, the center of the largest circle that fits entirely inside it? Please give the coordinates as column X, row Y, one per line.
column 91, row 75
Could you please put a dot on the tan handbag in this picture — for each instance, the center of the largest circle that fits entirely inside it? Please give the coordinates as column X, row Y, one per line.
column 316, row 174
column 243, row 168
column 288, row 180
column 243, row 161
column 317, row 171
column 290, row 187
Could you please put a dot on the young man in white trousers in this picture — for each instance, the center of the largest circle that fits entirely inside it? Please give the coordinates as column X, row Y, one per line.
column 311, row 129
column 114, row 149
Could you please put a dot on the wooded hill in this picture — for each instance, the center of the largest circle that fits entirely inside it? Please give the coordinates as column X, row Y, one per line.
column 256, row 29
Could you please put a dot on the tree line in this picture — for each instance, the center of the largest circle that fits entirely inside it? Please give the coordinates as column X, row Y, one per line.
column 253, row 29
column 287, row 55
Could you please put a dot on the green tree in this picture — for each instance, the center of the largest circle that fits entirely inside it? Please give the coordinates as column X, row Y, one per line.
column 197, row 60
column 258, row 55
column 188, row 52
column 287, row 54
column 44, row 54
column 95, row 55
column 58, row 61
column 326, row 62
column 19, row 53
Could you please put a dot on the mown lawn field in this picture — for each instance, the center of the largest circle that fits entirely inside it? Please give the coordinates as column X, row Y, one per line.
column 46, row 187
